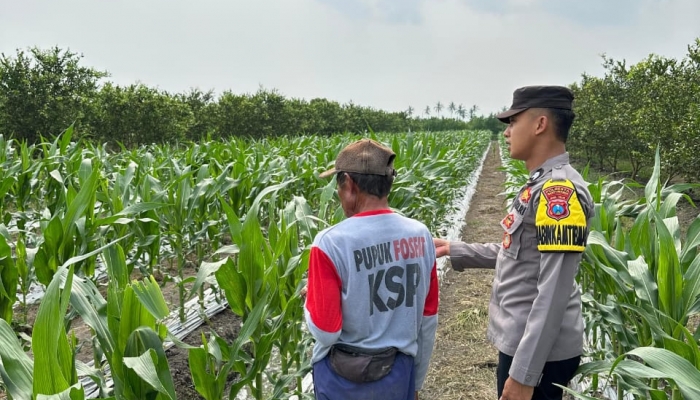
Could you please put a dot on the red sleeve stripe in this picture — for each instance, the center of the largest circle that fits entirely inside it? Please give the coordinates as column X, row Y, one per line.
column 431, row 301
column 323, row 296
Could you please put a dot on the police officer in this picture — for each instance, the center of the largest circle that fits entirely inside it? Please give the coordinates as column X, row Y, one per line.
column 535, row 318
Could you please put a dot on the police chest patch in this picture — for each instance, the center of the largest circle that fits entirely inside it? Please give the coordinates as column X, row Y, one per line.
column 560, row 220
column 507, row 240
column 508, row 221
column 525, row 195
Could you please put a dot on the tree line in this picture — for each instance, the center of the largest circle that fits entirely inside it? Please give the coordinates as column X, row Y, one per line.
column 43, row 91
column 623, row 116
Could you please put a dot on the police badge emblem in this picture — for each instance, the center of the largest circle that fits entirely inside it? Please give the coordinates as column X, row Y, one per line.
column 557, row 197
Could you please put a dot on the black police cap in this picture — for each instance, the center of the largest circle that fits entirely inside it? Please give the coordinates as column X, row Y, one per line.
column 538, row 97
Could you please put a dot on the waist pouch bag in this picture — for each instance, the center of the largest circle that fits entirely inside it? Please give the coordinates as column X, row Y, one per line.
column 359, row 365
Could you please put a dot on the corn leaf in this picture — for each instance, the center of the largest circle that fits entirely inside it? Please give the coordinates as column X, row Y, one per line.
column 206, row 270
column 133, row 316
column 691, row 288
column 88, row 302
column 75, row 392
column 78, row 206
column 669, row 276
column 151, row 366
column 674, row 367
column 9, row 278
column 210, row 384
column 652, row 190
column 48, row 331
column 16, row 367
column 234, row 286
column 617, row 259
column 644, row 285
column 151, row 297
column 692, row 241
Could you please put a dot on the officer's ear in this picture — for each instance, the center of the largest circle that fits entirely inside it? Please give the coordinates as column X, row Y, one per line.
column 541, row 120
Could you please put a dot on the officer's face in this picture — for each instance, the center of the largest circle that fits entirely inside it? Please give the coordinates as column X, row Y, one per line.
column 520, row 135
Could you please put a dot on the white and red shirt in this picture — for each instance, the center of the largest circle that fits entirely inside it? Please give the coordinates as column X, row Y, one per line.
column 373, row 284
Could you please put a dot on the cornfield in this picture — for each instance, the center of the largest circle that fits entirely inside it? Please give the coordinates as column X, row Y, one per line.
column 92, row 235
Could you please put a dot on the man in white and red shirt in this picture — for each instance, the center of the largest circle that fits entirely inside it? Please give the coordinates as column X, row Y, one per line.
column 372, row 288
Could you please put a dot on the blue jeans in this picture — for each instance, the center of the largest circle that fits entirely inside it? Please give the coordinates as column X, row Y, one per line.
column 399, row 384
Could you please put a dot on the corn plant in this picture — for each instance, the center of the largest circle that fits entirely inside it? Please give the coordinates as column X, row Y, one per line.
column 53, row 371
column 248, row 285
column 9, row 277
column 643, row 285
column 128, row 330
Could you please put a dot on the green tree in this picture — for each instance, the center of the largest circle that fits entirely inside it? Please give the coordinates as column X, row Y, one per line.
column 137, row 114
column 202, row 105
column 42, row 92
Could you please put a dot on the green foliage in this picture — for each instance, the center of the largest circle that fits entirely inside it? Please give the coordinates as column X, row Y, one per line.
column 624, row 115
column 43, row 91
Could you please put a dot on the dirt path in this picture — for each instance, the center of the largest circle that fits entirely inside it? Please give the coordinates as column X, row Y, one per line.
column 464, row 363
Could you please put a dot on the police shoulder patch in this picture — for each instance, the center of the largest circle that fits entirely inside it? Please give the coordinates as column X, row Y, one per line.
column 560, row 219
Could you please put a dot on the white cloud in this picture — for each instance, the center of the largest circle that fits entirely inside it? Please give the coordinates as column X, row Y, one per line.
column 385, row 53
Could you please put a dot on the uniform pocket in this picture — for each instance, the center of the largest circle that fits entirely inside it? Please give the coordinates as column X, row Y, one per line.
column 510, row 245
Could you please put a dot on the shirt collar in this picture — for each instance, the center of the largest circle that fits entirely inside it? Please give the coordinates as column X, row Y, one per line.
column 548, row 165
column 373, row 212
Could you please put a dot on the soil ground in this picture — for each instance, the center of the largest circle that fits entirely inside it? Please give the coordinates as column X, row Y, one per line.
column 463, row 365
column 226, row 324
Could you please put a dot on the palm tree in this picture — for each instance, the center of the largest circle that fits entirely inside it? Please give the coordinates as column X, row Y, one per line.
column 438, row 108
column 472, row 111
column 410, row 111
column 427, row 111
column 452, row 107
column 461, row 111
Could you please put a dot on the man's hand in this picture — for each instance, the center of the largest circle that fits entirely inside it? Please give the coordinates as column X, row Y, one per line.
column 442, row 247
column 514, row 390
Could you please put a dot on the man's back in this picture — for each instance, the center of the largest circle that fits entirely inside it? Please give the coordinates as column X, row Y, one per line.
column 384, row 262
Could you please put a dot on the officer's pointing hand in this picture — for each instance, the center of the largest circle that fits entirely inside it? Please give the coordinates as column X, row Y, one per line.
column 442, row 247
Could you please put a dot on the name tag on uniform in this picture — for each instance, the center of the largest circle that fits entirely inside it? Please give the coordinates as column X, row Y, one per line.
column 560, row 220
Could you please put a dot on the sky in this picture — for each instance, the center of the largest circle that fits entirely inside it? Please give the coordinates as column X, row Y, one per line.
column 388, row 54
